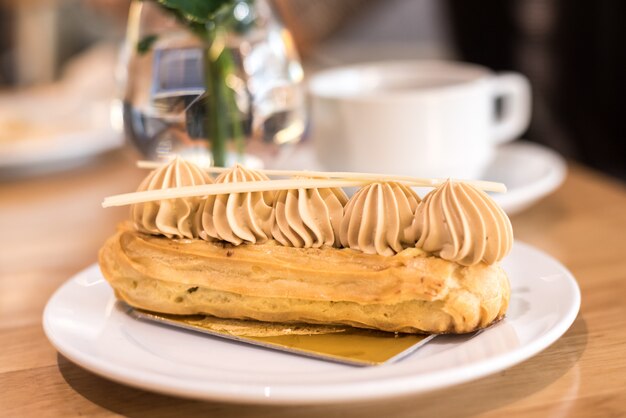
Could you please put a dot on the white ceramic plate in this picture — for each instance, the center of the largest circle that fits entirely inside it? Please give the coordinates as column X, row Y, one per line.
column 530, row 171
column 85, row 324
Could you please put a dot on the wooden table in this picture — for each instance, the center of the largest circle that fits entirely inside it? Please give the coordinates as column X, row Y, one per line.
column 50, row 228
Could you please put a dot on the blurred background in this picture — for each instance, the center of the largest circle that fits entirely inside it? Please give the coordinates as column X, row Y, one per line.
column 572, row 52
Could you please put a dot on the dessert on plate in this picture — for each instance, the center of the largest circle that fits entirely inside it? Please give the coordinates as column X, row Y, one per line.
column 242, row 246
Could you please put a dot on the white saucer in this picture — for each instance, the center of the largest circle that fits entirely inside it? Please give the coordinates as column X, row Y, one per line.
column 530, row 171
column 83, row 321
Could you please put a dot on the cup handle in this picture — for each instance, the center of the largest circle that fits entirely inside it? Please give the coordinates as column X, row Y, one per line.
column 514, row 90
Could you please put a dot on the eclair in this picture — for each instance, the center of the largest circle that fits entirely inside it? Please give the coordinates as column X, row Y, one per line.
column 383, row 259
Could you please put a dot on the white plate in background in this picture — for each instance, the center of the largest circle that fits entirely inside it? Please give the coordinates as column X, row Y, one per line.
column 41, row 135
column 60, row 125
column 85, row 324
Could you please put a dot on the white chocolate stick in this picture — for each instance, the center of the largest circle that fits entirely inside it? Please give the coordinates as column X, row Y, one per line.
column 488, row 186
column 226, row 188
column 244, row 187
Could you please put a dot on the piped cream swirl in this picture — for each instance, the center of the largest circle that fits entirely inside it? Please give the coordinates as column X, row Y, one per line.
column 237, row 217
column 306, row 218
column 460, row 223
column 173, row 218
column 379, row 218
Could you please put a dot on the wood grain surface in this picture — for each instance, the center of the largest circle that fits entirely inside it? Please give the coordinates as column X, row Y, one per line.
column 51, row 227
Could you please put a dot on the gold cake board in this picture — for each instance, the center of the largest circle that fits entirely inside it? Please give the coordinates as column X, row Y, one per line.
column 341, row 344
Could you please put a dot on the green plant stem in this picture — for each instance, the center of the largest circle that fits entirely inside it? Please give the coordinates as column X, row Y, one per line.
column 216, row 128
column 223, row 121
column 228, row 68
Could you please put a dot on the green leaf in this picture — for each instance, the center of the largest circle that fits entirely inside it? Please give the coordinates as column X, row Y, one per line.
column 198, row 11
column 145, row 43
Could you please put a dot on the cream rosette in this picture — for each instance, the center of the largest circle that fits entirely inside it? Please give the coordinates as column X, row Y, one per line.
column 461, row 223
column 237, row 217
column 308, row 218
column 379, row 218
column 173, row 218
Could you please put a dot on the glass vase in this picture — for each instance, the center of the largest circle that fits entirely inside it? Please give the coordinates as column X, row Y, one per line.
column 210, row 97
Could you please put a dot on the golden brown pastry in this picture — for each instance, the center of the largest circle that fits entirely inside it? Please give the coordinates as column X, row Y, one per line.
column 407, row 292
column 383, row 260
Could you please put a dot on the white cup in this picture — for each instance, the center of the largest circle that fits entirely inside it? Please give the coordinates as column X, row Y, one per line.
column 421, row 118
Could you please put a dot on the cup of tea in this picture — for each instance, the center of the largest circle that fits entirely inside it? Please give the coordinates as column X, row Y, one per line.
column 420, row 118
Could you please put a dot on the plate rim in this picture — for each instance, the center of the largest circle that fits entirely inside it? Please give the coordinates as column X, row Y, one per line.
column 333, row 392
